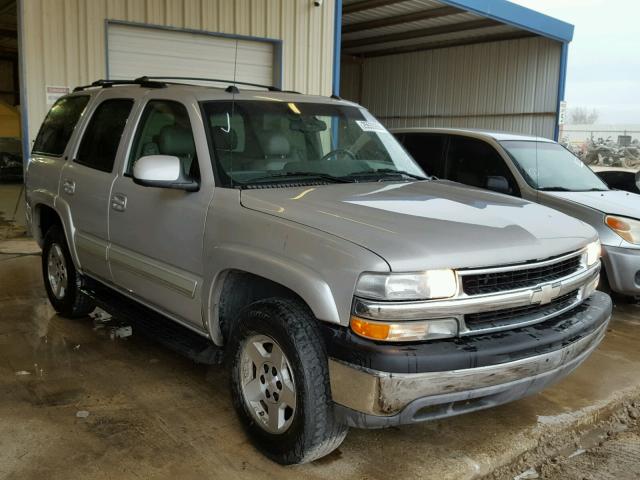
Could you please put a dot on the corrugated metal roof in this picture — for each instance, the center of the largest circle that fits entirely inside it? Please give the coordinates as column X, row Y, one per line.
column 438, row 40
column 370, row 27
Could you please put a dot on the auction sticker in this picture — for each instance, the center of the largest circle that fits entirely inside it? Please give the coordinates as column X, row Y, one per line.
column 370, row 126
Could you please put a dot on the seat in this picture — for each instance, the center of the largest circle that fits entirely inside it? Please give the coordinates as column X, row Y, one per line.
column 178, row 141
column 277, row 150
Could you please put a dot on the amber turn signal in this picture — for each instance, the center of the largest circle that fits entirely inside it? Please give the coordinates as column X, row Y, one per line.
column 375, row 331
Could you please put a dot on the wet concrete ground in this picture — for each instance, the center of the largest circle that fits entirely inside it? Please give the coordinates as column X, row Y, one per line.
column 153, row 414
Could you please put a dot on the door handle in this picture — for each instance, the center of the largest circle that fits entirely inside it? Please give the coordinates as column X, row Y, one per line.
column 68, row 186
column 119, row 202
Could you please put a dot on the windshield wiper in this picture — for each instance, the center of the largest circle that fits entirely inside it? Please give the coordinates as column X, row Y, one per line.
column 388, row 172
column 284, row 176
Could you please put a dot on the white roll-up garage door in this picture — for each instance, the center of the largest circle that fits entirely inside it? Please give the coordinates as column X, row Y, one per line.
column 134, row 51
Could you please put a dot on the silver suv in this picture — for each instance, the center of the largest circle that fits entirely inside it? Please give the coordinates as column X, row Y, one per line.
column 295, row 235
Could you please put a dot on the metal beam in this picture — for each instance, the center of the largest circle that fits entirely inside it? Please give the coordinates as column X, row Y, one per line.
column 367, row 5
column 423, row 32
column 399, row 19
column 499, row 37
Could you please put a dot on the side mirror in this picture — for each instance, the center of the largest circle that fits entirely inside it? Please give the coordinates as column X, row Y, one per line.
column 638, row 179
column 498, row 184
column 162, row 171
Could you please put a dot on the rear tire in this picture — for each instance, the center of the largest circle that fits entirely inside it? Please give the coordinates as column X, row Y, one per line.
column 62, row 281
column 280, row 382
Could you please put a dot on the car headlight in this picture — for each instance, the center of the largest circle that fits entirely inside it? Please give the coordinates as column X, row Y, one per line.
column 427, row 285
column 594, row 252
column 627, row 228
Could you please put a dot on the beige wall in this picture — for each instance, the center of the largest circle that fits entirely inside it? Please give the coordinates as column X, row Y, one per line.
column 64, row 40
column 508, row 86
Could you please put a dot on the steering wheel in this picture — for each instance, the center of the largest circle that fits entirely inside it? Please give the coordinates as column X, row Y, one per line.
column 338, row 151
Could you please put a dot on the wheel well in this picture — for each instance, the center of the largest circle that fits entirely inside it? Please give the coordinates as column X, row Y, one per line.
column 241, row 289
column 47, row 218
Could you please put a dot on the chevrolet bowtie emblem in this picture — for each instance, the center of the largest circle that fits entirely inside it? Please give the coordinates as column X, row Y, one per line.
column 545, row 294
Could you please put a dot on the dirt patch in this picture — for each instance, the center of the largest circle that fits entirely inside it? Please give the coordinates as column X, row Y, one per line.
column 9, row 229
column 608, row 449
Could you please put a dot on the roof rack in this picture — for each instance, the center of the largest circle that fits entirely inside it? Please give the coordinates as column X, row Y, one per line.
column 271, row 88
column 157, row 82
column 142, row 81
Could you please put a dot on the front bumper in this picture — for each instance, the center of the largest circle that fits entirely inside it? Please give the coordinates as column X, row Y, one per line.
column 376, row 385
column 623, row 269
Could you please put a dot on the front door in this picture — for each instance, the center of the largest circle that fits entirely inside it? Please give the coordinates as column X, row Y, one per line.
column 86, row 182
column 157, row 233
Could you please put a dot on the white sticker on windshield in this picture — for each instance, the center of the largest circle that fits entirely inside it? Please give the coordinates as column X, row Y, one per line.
column 370, row 126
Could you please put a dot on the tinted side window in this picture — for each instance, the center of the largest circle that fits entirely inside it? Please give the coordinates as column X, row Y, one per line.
column 428, row 150
column 58, row 125
column 165, row 129
column 473, row 162
column 102, row 136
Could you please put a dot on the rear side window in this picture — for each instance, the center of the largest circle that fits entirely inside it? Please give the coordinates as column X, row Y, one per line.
column 428, row 150
column 58, row 125
column 101, row 139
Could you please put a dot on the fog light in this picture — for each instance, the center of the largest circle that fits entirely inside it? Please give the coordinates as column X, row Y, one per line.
column 405, row 331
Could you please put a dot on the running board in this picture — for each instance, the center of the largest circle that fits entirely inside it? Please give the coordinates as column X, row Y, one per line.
column 153, row 325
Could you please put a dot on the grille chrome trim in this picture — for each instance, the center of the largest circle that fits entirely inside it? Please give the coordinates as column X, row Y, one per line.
column 456, row 307
column 522, row 266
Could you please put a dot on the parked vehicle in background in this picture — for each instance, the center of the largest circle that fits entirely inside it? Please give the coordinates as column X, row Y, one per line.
column 295, row 236
column 10, row 160
column 618, row 178
column 542, row 171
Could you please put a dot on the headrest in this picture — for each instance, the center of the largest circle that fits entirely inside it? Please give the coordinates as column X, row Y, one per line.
column 225, row 141
column 150, row 148
column 177, row 141
column 277, row 145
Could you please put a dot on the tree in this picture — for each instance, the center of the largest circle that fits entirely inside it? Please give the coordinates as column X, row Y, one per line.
column 581, row 116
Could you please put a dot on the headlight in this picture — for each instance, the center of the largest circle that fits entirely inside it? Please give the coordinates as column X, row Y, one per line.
column 625, row 227
column 407, row 286
column 594, row 251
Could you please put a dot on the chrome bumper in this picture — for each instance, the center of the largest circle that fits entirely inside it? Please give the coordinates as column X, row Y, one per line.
column 378, row 399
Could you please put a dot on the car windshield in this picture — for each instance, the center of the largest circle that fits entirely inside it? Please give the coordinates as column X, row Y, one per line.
column 258, row 142
column 551, row 167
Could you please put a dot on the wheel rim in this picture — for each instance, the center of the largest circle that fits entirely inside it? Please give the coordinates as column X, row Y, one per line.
column 268, row 386
column 57, row 271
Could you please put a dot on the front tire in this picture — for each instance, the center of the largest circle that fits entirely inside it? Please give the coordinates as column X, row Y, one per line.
column 61, row 279
column 280, row 382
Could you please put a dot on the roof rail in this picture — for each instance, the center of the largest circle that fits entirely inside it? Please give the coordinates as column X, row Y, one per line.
column 142, row 81
column 271, row 88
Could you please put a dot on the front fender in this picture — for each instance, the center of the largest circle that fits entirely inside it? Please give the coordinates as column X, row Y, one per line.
column 298, row 278
column 320, row 268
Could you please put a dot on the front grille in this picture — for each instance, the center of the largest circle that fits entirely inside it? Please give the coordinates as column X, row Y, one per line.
column 483, row 283
column 508, row 316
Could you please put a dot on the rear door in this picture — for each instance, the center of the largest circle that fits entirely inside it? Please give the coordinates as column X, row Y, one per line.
column 157, row 233
column 87, row 178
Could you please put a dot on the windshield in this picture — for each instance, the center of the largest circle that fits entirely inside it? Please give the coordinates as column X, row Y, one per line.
column 258, row 142
column 551, row 167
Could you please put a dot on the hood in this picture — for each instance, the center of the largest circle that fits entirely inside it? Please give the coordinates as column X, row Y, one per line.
column 612, row 202
column 434, row 224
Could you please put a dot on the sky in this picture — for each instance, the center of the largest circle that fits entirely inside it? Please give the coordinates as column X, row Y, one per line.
column 604, row 57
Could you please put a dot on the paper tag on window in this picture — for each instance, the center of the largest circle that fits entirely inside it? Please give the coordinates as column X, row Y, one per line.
column 370, row 126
